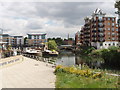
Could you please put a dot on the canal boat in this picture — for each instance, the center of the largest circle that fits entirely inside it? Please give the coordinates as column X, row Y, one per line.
column 50, row 53
column 34, row 52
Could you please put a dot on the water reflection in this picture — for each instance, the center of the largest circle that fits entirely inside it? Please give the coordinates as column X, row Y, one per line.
column 68, row 58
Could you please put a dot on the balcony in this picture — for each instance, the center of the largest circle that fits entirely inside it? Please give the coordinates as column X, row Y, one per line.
column 101, row 40
column 101, row 20
column 93, row 21
column 94, row 40
column 93, row 26
column 94, row 35
column 101, row 30
column 101, row 35
column 101, row 26
column 93, row 30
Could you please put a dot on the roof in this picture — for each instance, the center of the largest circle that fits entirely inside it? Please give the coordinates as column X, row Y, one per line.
column 4, row 35
column 18, row 36
column 98, row 12
column 36, row 34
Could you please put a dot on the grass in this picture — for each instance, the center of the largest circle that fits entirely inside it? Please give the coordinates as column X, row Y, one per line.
column 67, row 77
column 65, row 80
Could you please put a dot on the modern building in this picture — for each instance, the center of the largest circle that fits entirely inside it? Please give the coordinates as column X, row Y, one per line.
column 2, row 44
column 36, row 39
column 100, row 30
column 13, row 41
column 18, row 41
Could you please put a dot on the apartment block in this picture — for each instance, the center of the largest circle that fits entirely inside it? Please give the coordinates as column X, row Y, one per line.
column 36, row 39
column 14, row 41
column 100, row 30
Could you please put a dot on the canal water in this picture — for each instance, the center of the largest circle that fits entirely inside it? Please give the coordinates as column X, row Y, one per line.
column 66, row 58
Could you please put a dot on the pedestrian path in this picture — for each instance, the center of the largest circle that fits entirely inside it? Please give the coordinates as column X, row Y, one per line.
column 28, row 74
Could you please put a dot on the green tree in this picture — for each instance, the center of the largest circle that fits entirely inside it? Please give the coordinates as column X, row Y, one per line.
column 52, row 45
column 25, row 39
column 117, row 4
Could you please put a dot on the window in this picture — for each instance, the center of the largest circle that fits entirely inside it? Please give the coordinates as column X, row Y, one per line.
column 108, row 33
column 113, row 34
column 117, row 29
column 108, row 18
column 108, row 28
column 113, row 24
column 113, row 19
column 116, row 25
column 113, row 38
column 113, row 44
column 42, row 36
column 108, row 23
column 109, row 38
column 101, row 44
column 112, row 29
column 117, row 34
column 109, row 44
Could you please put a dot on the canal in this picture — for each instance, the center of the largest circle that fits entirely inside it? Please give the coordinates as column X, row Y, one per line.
column 66, row 58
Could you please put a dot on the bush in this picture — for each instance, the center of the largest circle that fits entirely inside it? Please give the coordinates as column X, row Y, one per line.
column 76, row 71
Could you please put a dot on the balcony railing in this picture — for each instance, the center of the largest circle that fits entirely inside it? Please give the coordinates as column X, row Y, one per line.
column 93, row 30
column 101, row 30
column 101, row 40
column 101, row 35
column 94, row 35
column 101, row 25
column 101, row 20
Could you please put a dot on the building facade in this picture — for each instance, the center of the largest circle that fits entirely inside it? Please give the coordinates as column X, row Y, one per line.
column 36, row 40
column 100, row 30
column 13, row 41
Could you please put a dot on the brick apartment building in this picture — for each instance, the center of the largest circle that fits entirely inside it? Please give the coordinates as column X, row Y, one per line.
column 100, row 30
column 36, row 39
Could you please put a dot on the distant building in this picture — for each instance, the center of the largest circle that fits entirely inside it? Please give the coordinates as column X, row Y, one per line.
column 68, row 42
column 19, row 41
column 100, row 30
column 36, row 40
column 13, row 41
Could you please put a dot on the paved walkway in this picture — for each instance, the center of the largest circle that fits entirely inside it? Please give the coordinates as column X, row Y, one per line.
column 28, row 74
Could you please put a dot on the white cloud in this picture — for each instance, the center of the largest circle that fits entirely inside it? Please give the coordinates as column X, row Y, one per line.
column 55, row 19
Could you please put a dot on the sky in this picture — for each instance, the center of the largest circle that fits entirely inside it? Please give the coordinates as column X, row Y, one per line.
column 57, row 19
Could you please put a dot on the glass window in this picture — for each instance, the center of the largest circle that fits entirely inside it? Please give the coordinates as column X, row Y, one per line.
column 113, row 19
column 112, row 29
column 113, row 24
column 113, row 38
column 116, row 25
column 108, row 28
column 42, row 36
column 108, row 18
column 117, row 29
column 108, row 33
column 108, row 23
column 113, row 34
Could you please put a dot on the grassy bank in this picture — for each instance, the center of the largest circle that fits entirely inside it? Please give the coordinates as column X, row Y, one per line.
column 72, row 77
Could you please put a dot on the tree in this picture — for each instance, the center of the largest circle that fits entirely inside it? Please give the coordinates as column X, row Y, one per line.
column 52, row 45
column 25, row 39
column 117, row 5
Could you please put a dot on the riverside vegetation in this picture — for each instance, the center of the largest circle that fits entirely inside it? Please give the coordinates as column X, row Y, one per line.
column 85, row 77
column 74, row 77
